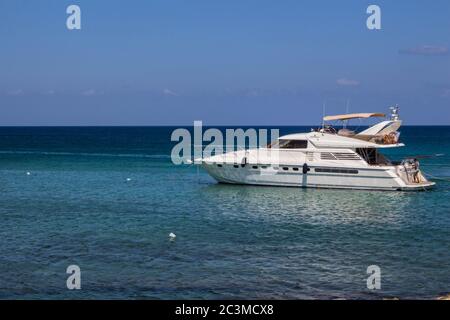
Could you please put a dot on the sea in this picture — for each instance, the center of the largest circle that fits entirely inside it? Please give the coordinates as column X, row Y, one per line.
column 106, row 199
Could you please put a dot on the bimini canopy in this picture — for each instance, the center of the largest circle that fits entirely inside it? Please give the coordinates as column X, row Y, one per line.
column 353, row 116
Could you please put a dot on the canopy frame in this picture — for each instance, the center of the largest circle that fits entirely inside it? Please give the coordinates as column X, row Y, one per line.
column 349, row 116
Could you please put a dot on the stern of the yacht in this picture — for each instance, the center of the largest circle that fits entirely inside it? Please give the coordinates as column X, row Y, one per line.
column 412, row 177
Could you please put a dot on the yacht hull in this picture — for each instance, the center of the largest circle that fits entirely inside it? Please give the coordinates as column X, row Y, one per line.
column 288, row 176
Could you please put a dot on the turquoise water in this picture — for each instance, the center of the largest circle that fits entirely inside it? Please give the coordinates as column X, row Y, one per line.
column 79, row 206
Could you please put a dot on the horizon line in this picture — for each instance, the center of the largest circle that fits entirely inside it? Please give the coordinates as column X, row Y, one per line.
column 191, row 125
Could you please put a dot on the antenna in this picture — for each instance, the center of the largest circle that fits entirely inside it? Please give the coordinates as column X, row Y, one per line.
column 323, row 114
column 344, row 123
column 394, row 113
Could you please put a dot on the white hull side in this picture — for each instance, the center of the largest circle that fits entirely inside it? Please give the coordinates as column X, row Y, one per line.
column 366, row 179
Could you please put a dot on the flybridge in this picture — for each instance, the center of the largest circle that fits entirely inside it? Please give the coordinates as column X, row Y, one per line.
column 382, row 134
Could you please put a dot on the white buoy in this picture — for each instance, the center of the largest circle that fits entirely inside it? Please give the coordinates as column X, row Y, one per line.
column 28, row 173
column 172, row 235
column 128, row 179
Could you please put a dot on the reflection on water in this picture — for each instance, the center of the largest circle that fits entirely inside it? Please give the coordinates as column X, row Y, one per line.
column 314, row 206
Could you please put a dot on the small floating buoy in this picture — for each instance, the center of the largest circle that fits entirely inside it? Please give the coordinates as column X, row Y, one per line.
column 128, row 179
column 28, row 173
column 172, row 235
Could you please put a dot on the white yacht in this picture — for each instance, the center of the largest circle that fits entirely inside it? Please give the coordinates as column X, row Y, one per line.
column 324, row 158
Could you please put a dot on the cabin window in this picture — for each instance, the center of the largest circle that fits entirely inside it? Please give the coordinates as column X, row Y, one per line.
column 255, row 167
column 295, row 169
column 236, row 166
column 264, row 167
column 219, row 165
column 293, row 144
column 285, row 168
column 336, row 170
column 372, row 156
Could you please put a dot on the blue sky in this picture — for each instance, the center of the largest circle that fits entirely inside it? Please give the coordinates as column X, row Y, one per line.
column 171, row 62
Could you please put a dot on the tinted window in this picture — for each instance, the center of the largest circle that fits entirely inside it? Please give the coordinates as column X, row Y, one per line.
column 336, row 170
column 293, row 144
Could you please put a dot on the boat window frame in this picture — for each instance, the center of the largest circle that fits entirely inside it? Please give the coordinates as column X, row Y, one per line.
column 373, row 157
column 293, row 143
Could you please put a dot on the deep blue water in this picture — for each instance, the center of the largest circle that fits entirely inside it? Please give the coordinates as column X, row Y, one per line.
column 77, row 207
